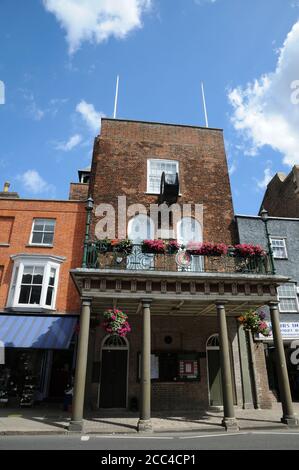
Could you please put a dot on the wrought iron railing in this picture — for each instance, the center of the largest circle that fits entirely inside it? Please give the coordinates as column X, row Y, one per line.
column 182, row 261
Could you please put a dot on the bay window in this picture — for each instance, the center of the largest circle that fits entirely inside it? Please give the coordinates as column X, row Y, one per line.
column 34, row 282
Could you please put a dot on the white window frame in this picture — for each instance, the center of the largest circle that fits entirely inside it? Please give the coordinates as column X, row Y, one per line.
column 47, row 263
column 294, row 297
column 149, row 190
column 31, row 234
column 282, row 239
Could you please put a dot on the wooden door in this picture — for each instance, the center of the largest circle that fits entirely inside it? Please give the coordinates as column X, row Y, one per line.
column 113, row 388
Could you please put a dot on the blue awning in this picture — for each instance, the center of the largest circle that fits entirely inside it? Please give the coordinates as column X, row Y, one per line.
column 23, row 331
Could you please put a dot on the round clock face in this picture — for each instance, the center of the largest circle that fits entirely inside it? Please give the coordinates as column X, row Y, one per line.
column 183, row 259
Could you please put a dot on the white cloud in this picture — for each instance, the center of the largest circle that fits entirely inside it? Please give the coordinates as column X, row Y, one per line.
column 262, row 184
column 73, row 141
column 232, row 168
column 96, row 20
column 34, row 183
column 264, row 112
column 201, row 2
column 90, row 115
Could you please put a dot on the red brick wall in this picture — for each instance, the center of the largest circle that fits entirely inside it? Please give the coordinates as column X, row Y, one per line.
column 78, row 191
column 120, row 168
column 6, row 226
column 68, row 242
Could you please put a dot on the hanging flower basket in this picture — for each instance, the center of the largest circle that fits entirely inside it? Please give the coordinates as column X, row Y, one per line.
column 255, row 321
column 116, row 322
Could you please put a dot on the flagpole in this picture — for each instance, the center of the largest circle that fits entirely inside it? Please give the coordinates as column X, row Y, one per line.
column 116, row 97
column 204, row 104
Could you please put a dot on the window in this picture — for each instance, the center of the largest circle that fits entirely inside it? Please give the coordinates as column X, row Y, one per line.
column 172, row 366
column 34, row 281
column 42, row 232
column 279, row 248
column 155, row 169
column 287, row 298
column 189, row 229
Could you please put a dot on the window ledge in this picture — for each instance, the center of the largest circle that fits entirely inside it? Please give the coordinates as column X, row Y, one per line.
column 37, row 245
column 4, row 244
column 31, row 309
column 150, row 193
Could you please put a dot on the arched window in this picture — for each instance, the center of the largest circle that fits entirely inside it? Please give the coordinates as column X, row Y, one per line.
column 115, row 342
column 189, row 229
column 140, row 227
column 213, row 342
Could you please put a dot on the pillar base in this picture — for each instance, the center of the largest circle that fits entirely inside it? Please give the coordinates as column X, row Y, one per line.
column 76, row 426
column 291, row 421
column 230, row 424
column 144, row 425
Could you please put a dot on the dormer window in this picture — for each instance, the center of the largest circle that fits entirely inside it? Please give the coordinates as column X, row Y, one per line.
column 34, row 282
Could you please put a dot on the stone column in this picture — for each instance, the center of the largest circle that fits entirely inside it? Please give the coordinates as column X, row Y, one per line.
column 144, row 423
column 229, row 420
column 289, row 416
column 76, row 424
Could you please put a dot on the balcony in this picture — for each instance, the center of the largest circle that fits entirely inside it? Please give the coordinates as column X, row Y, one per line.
column 182, row 261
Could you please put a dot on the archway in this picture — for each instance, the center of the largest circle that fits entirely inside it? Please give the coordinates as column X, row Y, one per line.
column 113, row 388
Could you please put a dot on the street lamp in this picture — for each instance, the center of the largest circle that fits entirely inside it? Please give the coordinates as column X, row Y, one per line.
column 265, row 217
column 88, row 208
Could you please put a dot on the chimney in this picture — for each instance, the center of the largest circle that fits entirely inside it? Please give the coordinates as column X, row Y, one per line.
column 6, row 194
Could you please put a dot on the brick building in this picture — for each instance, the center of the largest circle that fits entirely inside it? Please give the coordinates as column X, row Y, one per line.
column 281, row 198
column 40, row 242
column 182, row 307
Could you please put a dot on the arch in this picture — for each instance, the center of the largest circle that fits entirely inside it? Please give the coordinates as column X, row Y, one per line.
column 213, row 342
column 189, row 229
column 115, row 342
column 141, row 227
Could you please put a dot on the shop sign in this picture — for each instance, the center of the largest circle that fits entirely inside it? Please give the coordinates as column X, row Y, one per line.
column 289, row 331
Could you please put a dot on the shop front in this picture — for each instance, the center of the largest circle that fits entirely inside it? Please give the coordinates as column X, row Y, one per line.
column 38, row 358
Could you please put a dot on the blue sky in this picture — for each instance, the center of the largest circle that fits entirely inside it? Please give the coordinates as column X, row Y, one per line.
column 59, row 66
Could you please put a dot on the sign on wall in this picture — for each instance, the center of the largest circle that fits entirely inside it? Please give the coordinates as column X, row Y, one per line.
column 289, row 331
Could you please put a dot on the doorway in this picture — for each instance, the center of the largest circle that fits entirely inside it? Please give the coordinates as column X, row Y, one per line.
column 214, row 371
column 113, row 389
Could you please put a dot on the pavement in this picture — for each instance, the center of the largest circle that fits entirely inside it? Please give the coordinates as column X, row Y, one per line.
column 51, row 420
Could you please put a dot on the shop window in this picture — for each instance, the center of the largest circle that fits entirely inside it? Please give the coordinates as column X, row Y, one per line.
column 279, row 248
column 155, row 168
column 42, row 232
column 34, row 282
column 287, row 298
column 173, row 367
column 6, row 226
